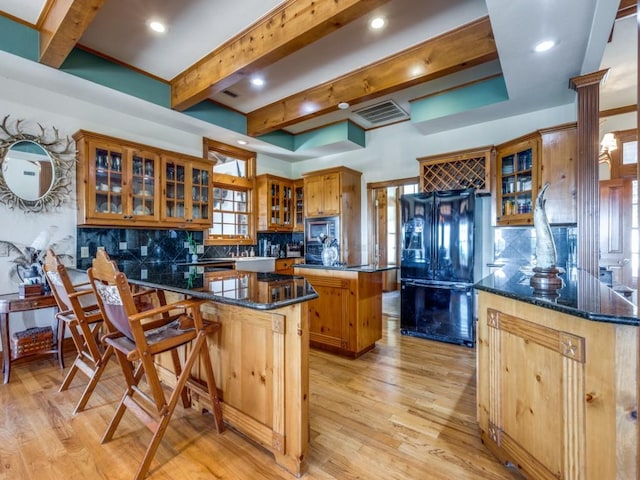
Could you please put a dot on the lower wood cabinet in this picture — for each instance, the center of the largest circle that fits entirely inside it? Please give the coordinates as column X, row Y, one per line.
column 285, row 265
column 557, row 394
column 346, row 317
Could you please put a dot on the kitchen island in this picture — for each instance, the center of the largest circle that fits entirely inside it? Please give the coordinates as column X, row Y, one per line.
column 260, row 355
column 346, row 318
column 557, row 377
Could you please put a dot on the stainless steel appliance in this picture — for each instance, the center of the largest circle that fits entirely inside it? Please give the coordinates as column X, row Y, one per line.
column 315, row 231
column 436, row 267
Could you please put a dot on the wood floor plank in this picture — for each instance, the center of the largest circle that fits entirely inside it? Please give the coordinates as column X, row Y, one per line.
column 405, row 410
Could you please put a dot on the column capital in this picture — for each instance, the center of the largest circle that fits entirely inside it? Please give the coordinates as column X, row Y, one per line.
column 588, row 79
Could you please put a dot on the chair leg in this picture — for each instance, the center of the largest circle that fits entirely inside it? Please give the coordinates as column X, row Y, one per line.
column 93, row 381
column 60, row 328
column 132, row 378
column 186, row 402
column 211, row 386
column 198, row 344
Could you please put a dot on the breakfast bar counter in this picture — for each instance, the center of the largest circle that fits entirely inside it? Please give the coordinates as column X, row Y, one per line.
column 260, row 355
column 557, row 376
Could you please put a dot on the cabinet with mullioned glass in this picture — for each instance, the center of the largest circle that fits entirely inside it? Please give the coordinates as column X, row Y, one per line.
column 517, row 180
column 275, row 203
column 187, row 191
column 117, row 182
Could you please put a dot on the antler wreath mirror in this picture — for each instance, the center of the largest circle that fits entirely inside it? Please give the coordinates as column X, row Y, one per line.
column 35, row 168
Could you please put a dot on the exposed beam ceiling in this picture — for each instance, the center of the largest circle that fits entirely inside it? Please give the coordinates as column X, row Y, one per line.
column 459, row 49
column 287, row 29
column 62, row 26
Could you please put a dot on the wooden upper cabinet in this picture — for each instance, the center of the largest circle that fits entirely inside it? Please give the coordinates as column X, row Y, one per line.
column 275, row 203
column 322, row 195
column 337, row 192
column 526, row 164
column 122, row 183
column 558, row 168
column 117, row 183
column 517, row 164
column 186, row 191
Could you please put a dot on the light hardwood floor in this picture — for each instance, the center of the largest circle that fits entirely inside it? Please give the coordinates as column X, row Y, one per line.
column 405, row 410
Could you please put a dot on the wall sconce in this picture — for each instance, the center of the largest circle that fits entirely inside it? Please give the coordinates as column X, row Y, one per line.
column 607, row 145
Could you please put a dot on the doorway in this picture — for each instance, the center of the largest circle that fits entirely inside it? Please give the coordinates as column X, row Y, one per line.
column 384, row 227
column 620, row 238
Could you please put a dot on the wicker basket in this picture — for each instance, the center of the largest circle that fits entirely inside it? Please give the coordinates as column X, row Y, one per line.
column 32, row 340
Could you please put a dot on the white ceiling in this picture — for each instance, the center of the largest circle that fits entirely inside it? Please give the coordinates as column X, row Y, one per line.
column 534, row 81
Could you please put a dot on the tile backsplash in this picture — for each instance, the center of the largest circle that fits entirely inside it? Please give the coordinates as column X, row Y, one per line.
column 153, row 246
column 517, row 245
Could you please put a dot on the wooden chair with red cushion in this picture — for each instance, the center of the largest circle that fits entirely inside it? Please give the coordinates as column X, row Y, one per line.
column 137, row 337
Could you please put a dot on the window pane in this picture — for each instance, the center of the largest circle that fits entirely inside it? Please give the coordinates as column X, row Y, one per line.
column 629, row 152
column 228, row 165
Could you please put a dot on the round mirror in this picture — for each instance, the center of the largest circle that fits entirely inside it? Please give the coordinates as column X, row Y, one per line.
column 28, row 170
column 36, row 169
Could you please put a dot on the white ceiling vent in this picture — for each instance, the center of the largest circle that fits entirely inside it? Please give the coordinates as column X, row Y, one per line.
column 383, row 112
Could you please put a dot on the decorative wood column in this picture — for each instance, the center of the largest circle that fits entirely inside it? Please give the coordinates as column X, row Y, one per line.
column 588, row 88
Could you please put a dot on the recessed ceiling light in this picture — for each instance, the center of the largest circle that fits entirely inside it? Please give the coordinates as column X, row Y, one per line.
column 257, row 81
column 157, row 26
column 544, row 46
column 377, row 23
column 242, row 142
column 343, row 105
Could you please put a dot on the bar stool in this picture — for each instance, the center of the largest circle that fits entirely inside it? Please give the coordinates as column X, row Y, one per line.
column 84, row 323
column 137, row 337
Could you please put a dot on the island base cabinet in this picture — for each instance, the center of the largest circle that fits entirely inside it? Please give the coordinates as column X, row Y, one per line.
column 260, row 361
column 557, row 394
column 346, row 318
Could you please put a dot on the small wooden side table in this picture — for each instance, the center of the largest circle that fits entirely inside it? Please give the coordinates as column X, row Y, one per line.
column 13, row 303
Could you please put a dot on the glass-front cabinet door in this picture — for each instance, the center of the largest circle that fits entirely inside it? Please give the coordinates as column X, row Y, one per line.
column 517, row 167
column 187, row 191
column 200, row 193
column 108, row 166
column 298, row 194
column 144, row 184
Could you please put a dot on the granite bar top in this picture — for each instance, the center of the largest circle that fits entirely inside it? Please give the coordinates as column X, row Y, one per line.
column 581, row 295
column 356, row 268
column 255, row 290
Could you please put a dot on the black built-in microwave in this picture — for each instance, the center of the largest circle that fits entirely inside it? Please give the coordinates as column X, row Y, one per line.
column 315, row 231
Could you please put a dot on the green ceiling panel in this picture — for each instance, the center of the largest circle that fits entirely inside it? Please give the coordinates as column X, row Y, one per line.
column 462, row 99
column 19, row 39
column 338, row 132
column 279, row 138
column 217, row 114
column 99, row 70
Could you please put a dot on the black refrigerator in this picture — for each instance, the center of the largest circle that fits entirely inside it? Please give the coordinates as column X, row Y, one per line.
column 436, row 268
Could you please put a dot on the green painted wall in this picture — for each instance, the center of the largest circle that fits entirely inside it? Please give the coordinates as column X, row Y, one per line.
column 459, row 100
column 19, row 39
column 105, row 72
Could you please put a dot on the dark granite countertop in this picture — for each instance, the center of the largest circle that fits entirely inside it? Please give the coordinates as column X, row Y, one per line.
column 581, row 295
column 355, row 268
column 255, row 290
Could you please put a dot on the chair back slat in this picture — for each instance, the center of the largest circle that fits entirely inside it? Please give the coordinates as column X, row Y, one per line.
column 113, row 307
column 56, row 275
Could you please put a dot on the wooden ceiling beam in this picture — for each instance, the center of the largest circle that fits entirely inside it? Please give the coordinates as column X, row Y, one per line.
column 290, row 27
column 467, row 46
column 62, row 26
